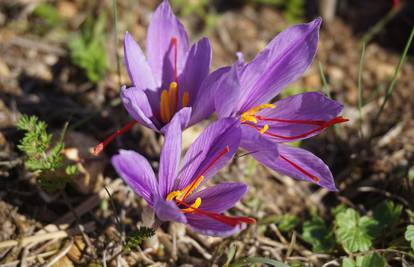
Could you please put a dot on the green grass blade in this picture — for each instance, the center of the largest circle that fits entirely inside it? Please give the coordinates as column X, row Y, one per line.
column 360, row 100
column 395, row 76
column 118, row 64
column 326, row 87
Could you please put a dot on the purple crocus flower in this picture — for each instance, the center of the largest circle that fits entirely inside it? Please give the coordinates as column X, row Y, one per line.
column 244, row 91
column 172, row 76
column 175, row 196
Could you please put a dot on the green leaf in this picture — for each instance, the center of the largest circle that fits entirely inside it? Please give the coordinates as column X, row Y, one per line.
column 387, row 214
column 288, row 222
column 373, row 260
column 252, row 260
column 355, row 233
column 348, row 262
column 230, row 254
column 409, row 235
column 316, row 233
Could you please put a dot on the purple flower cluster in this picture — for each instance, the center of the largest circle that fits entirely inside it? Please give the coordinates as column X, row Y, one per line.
column 172, row 89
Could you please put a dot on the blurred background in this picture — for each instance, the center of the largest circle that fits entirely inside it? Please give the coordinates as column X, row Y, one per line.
column 63, row 62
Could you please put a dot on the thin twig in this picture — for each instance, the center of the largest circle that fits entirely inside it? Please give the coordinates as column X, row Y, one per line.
column 118, row 222
column 61, row 254
column 44, row 237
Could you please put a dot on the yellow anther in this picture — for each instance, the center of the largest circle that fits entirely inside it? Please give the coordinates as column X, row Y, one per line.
column 173, row 195
column 173, row 95
column 190, row 188
column 246, row 117
column 264, row 129
column 195, row 205
column 165, row 107
column 251, row 113
column 186, row 99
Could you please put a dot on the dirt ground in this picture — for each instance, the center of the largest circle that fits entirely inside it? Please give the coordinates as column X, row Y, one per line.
column 371, row 161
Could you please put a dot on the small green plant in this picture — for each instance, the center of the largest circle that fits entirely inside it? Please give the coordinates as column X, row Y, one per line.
column 316, row 233
column 87, row 50
column 409, row 235
column 358, row 235
column 288, row 222
column 48, row 13
column 43, row 158
column 138, row 236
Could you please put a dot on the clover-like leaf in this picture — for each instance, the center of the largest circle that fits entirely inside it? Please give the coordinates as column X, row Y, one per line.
column 387, row 214
column 354, row 232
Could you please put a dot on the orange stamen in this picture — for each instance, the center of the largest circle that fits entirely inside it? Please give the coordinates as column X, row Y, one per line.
column 101, row 146
column 313, row 177
column 173, row 96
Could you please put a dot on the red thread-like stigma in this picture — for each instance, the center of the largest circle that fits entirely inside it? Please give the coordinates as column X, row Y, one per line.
column 174, row 44
column 229, row 220
column 210, row 164
column 311, row 176
column 321, row 127
column 101, row 146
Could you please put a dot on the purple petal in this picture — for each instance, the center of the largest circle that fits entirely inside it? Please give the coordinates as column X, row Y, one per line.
column 204, row 102
column 138, row 69
column 220, row 197
column 262, row 149
column 227, row 92
column 303, row 165
column 203, row 156
column 164, row 26
column 170, row 157
column 136, row 103
column 305, row 114
column 207, row 226
column 284, row 60
column 168, row 211
column 137, row 173
column 195, row 70
column 183, row 116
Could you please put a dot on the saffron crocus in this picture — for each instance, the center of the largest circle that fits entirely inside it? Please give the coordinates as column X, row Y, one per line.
column 171, row 77
column 175, row 196
column 246, row 89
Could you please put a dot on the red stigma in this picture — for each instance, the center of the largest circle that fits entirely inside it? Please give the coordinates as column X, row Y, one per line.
column 308, row 122
column 229, row 220
column 101, row 146
column 322, row 125
column 174, row 44
column 215, row 159
column 311, row 176
column 210, row 164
